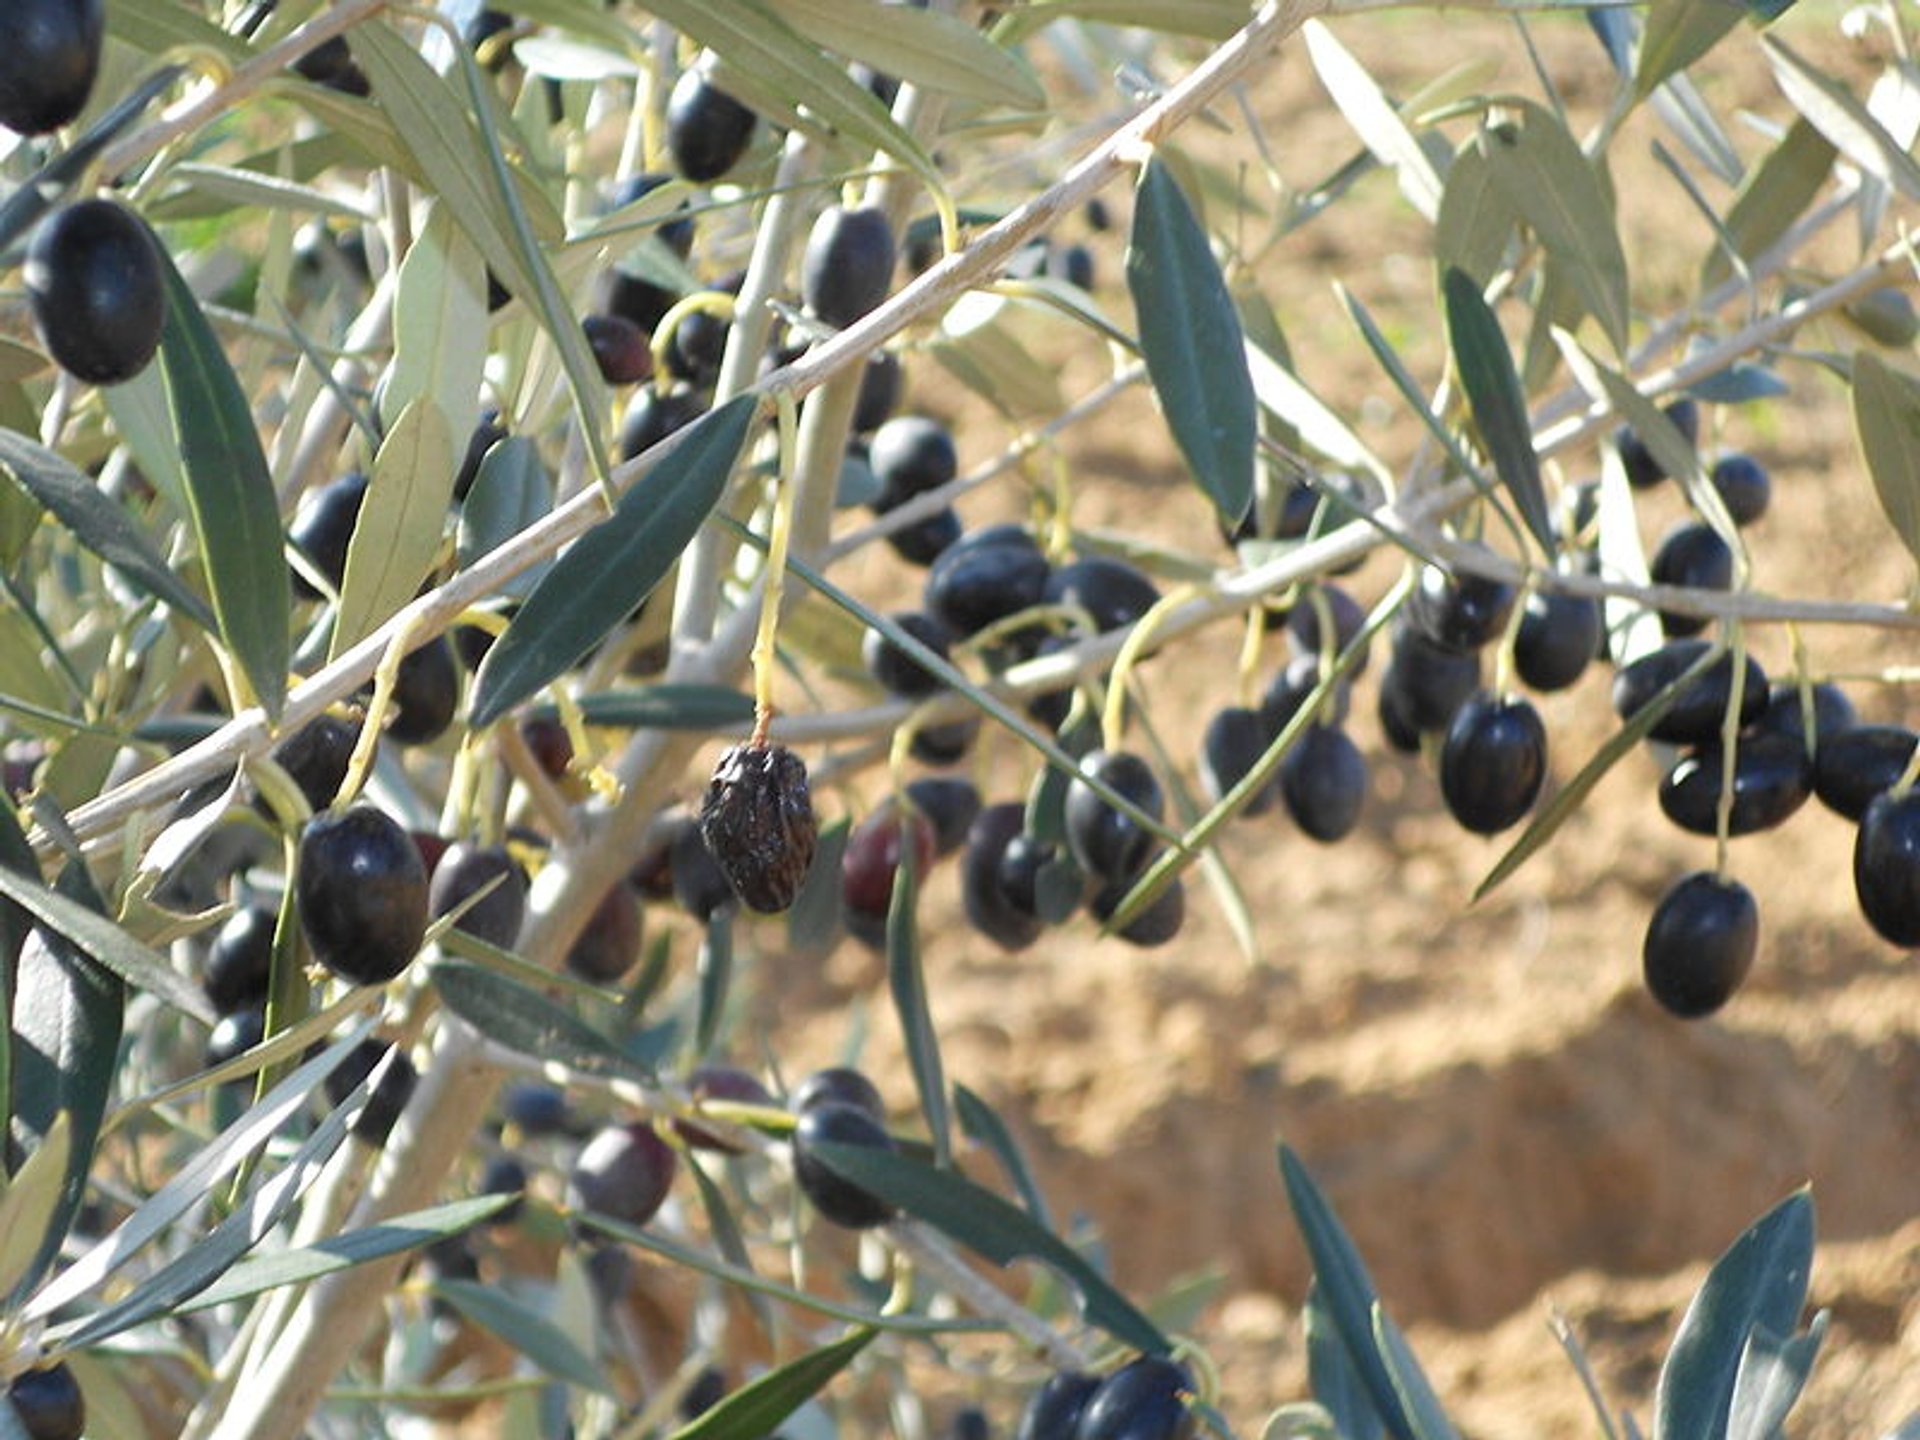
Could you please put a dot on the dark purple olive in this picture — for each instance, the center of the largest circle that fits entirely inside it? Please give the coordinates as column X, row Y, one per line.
column 708, row 1389
column 633, row 298
column 49, row 59
column 494, row 918
column 1559, row 636
column 1154, row 926
column 652, row 415
column 236, row 1033
column 1693, row 555
column 1643, row 471
column 1429, row 682
column 911, row 456
column 838, row 1200
column 1054, row 1411
column 950, row 803
column 1857, row 765
column 1105, row 841
column 708, row 131
column 880, row 387
column 1493, row 762
column 624, row 1173
column 48, row 1402
column 331, row 64
column 848, row 263
column 95, row 283
column 505, row 1175
column 620, row 349
column 1396, row 727
column 720, row 1082
column 394, row 1078
column 758, row 821
column 1886, row 867
column 675, row 233
column 972, row 585
column 426, row 694
column 361, row 891
column 1744, row 486
column 1294, row 686
column 1073, row 264
column 484, row 436
column 969, row 1423
column 1235, row 739
column 1019, row 875
column 987, row 907
column 537, row 1109
column 1145, row 1399
column 240, row 959
column 1786, row 713
column 1772, row 778
column 608, row 946
column 1700, row 944
column 838, row 1085
column 698, row 347
column 1323, row 781
column 897, row 671
column 322, row 530
column 699, row 884
column 1114, row 593
column 925, row 541
column 945, row 744
column 1459, row 612
column 1305, row 632
column 1696, row 716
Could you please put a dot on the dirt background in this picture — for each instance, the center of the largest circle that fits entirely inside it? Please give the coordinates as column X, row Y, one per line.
column 1507, row 1124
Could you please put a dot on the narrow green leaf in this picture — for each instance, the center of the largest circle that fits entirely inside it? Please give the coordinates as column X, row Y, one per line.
column 511, row 492
column 597, row 583
column 67, row 1014
column 925, row 47
column 16, row 923
column 1499, row 408
column 30, row 1201
column 99, row 939
column 907, row 982
column 1403, row 381
column 993, row 1228
column 1410, row 1383
column 1832, row 110
column 1190, row 335
column 1204, row 19
column 1341, row 1281
column 97, row 522
column 715, row 970
column 982, row 1123
column 526, row 1021
column 1761, row 1280
column 439, row 323
column 813, row 922
column 1567, row 800
column 230, row 496
column 756, row 1409
column 401, row 521
column 1886, row 419
column 727, row 1239
column 1282, row 393
column 1336, row 1384
column 342, row 1252
column 526, row 1330
column 1374, row 119
column 1773, row 1372
column 1550, row 183
column 1475, row 222
column 1678, row 33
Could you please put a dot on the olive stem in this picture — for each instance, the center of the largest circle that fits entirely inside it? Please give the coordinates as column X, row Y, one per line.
column 1729, row 745
column 930, row 1252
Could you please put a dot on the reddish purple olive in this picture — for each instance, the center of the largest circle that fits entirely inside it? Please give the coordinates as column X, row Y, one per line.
column 96, row 285
column 1886, row 867
column 872, row 858
column 608, row 946
column 620, row 348
column 624, row 1173
column 361, row 892
column 1493, row 762
column 1700, row 944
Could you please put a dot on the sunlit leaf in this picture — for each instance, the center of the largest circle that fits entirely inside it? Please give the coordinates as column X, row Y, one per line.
column 1499, row 407
column 31, row 1200
column 230, row 494
column 983, row 1124
column 907, row 982
column 1374, row 118
column 1190, row 335
column 1886, row 420
column 599, row 582
column 1678, row 33
column 1475, row 222
column 926, row 47
column 1773, row 1371
column 756, row 1409
column 1760, row 1281
column 525, row 1329
column 512, row 490
column 97, row 522
column 526, row 1021
column 1833, row 110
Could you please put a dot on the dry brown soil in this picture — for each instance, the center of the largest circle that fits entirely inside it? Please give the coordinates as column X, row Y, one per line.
column 1508, row 1125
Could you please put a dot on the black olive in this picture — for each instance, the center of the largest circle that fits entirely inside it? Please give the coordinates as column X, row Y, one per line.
column 95, row 282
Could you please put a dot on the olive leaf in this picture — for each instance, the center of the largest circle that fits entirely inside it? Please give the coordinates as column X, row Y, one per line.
column 1886, row 419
